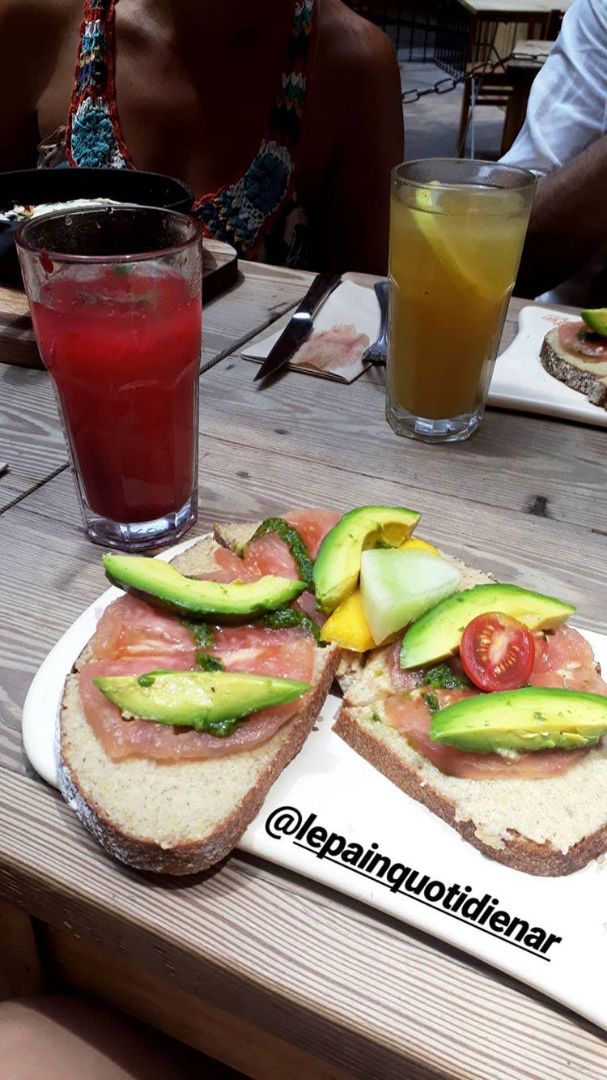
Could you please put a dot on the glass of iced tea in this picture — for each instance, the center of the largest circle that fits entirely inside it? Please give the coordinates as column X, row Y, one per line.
column 116, row 303
column 456, row 236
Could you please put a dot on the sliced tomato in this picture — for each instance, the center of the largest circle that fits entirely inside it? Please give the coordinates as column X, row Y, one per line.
column 497, row 652
column 576, row 337
column 269, row 555
column 565, row 659
column 129, row 628
column 312, row 526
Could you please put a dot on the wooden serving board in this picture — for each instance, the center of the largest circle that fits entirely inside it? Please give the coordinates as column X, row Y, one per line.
column 17, row 341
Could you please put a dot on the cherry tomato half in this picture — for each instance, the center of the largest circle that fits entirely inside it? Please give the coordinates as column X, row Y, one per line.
column 497, row 652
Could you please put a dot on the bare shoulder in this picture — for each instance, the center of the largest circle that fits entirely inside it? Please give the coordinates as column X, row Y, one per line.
column 352, row 46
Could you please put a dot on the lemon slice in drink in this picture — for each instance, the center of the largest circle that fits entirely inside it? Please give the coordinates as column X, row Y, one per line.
column 449, row 236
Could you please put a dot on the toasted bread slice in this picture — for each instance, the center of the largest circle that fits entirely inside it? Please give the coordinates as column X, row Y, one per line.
column 546, row 827
column 178, row 817
column 235, row 537
column 583, row 374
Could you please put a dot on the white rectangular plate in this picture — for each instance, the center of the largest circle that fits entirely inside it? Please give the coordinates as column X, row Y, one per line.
column 520, row 382
column 329, row 799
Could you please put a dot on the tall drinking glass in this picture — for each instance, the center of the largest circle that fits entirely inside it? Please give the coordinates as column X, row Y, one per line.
column 115, row 296
column 456, row 236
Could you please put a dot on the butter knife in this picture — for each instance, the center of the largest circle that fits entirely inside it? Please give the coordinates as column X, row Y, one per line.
column 299, row 326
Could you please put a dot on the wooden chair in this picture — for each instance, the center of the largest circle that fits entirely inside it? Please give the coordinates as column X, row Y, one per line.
column 522, row 72
column 495, row 86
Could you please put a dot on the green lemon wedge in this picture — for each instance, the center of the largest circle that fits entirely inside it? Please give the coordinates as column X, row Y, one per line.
column 449, row 236
column 596, row 320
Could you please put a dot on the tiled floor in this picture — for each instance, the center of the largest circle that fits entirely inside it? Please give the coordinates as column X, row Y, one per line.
column 431, row 124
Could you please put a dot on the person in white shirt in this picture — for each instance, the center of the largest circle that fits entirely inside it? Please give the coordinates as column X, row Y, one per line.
column 564, row 141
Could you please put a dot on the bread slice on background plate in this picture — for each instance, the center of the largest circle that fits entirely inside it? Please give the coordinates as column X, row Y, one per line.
column 178, row 817
column 586, row 375
column 546, row 827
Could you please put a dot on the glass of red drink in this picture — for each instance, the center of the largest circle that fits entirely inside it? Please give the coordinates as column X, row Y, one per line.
column 116, row 301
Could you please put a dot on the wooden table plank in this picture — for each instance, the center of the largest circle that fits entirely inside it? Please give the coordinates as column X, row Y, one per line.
column 514, row 10
column 21, row 970
column 31, row 440
column 527, row 53
column 242, row 482
column 262, row 294
column 522, row 464
column 32, row 443
column 225, row 1036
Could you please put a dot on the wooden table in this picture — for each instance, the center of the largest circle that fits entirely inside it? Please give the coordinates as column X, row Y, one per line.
column 515, row 10
column 259, row 968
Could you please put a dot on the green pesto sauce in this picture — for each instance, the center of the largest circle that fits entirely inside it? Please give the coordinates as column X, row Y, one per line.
column 432, row 702
column 295, row 544
column 441, row 677
column 201, row 633
column 285, row 618
column 222, row 728
column 206, row 662
column 150, row 677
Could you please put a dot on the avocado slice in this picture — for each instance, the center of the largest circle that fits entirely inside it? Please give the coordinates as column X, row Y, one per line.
column 164, row 587
column 338, row 561
column 437, row 634
column 210, row 701
column 534, row 718
column 596, row 320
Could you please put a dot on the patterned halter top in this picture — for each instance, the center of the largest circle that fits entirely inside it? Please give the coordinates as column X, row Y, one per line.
column 259, row 213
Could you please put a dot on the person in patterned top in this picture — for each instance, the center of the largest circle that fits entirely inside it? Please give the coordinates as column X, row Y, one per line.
column 283, row 116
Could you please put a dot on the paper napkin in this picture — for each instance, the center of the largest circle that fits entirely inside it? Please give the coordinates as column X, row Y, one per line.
column 347, row 323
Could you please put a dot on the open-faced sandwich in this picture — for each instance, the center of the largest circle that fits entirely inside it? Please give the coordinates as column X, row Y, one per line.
column 200, row 685
column 476, row 698
column 576, row 354
column 197, row 688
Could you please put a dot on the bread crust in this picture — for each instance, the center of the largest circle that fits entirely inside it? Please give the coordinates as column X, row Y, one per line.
column 555, row 362
column 516, row 851
column 519, row 853
column 192, row 857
